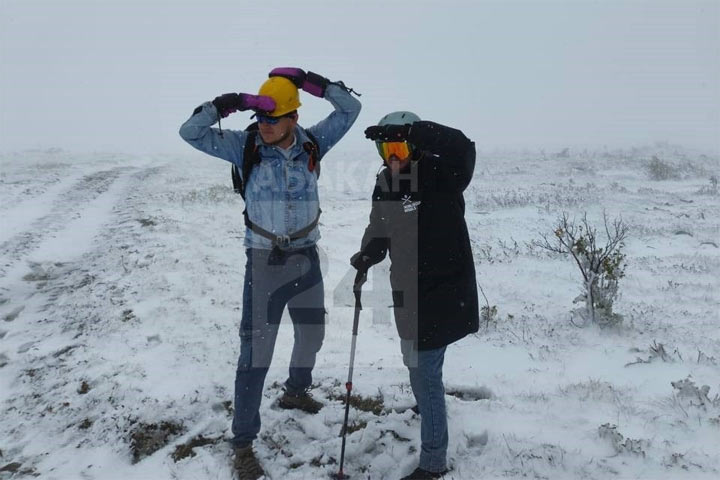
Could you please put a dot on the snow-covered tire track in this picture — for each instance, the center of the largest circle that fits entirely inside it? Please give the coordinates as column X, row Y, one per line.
column 50, row 351
column 66, row 207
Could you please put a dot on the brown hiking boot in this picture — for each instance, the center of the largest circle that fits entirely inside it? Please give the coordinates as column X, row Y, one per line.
column 246, row 465
column 420, row 474
column 303, row 401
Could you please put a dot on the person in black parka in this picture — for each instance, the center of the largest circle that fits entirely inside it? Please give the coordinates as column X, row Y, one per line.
column 417, row 216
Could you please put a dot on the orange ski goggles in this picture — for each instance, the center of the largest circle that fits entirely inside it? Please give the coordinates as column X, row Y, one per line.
column 400, row 149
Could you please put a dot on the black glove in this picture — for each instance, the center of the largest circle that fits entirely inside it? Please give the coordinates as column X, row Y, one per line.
column 360, row 262
column 360, row 279
column 388, row 133
column 227, row 103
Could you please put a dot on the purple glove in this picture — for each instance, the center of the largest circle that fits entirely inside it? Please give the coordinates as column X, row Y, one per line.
column 315, row 84
column 232, row 102
column 312, row 83
column 259, row 103
column 295, row 75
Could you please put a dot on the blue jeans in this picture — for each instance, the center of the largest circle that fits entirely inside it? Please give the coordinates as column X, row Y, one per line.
column 294, row 279
column 425, row 368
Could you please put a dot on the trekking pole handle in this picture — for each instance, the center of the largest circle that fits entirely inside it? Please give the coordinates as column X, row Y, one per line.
column 360, row 279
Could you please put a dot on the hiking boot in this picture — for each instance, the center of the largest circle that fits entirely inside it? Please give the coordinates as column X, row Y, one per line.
column 246, row 465
column 420, row 474
column 302, row 401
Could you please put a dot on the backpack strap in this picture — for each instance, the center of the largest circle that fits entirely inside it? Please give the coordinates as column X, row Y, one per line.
column 236, row 180
column 313, row 151
column 251, row 157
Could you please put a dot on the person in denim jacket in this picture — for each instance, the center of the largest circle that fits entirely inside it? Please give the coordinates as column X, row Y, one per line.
column 282, row 211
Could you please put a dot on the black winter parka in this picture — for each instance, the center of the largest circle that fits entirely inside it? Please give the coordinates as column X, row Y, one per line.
column 418, row 216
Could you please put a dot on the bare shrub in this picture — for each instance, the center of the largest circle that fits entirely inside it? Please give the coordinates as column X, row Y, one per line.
column 660, row 170
column 711, row 189
column 595, row 390
column 694, row 395
column 621, row 444
column 488, row 313
column 704, row 359
column 601, row 266
column 657, row 351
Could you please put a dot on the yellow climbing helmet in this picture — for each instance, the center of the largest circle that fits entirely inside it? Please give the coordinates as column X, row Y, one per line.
column 284, row 92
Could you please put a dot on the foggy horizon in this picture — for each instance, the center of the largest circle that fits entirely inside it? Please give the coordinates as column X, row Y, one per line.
column 122, row 76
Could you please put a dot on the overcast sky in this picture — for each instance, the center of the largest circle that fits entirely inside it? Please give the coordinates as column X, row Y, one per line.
column 122, row 75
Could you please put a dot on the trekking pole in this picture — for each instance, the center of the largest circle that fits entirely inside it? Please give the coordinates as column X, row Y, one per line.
column 360, row 278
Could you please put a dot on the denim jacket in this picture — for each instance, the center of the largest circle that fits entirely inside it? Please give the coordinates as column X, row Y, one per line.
column 281, row 195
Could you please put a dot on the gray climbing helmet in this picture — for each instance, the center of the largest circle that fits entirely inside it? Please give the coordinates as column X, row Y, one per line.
column 396, row 118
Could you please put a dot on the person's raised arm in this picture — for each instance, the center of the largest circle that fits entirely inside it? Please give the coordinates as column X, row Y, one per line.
column 347, row 108
column 225, row 144
column 448, row 159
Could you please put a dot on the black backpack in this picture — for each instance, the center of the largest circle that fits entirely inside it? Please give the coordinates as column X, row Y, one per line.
column 251, row 157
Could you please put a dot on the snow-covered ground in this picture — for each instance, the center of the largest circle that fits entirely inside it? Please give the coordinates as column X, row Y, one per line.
column 120, row 297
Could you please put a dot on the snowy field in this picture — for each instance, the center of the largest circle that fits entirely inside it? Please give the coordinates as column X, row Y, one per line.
column 120, row 298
